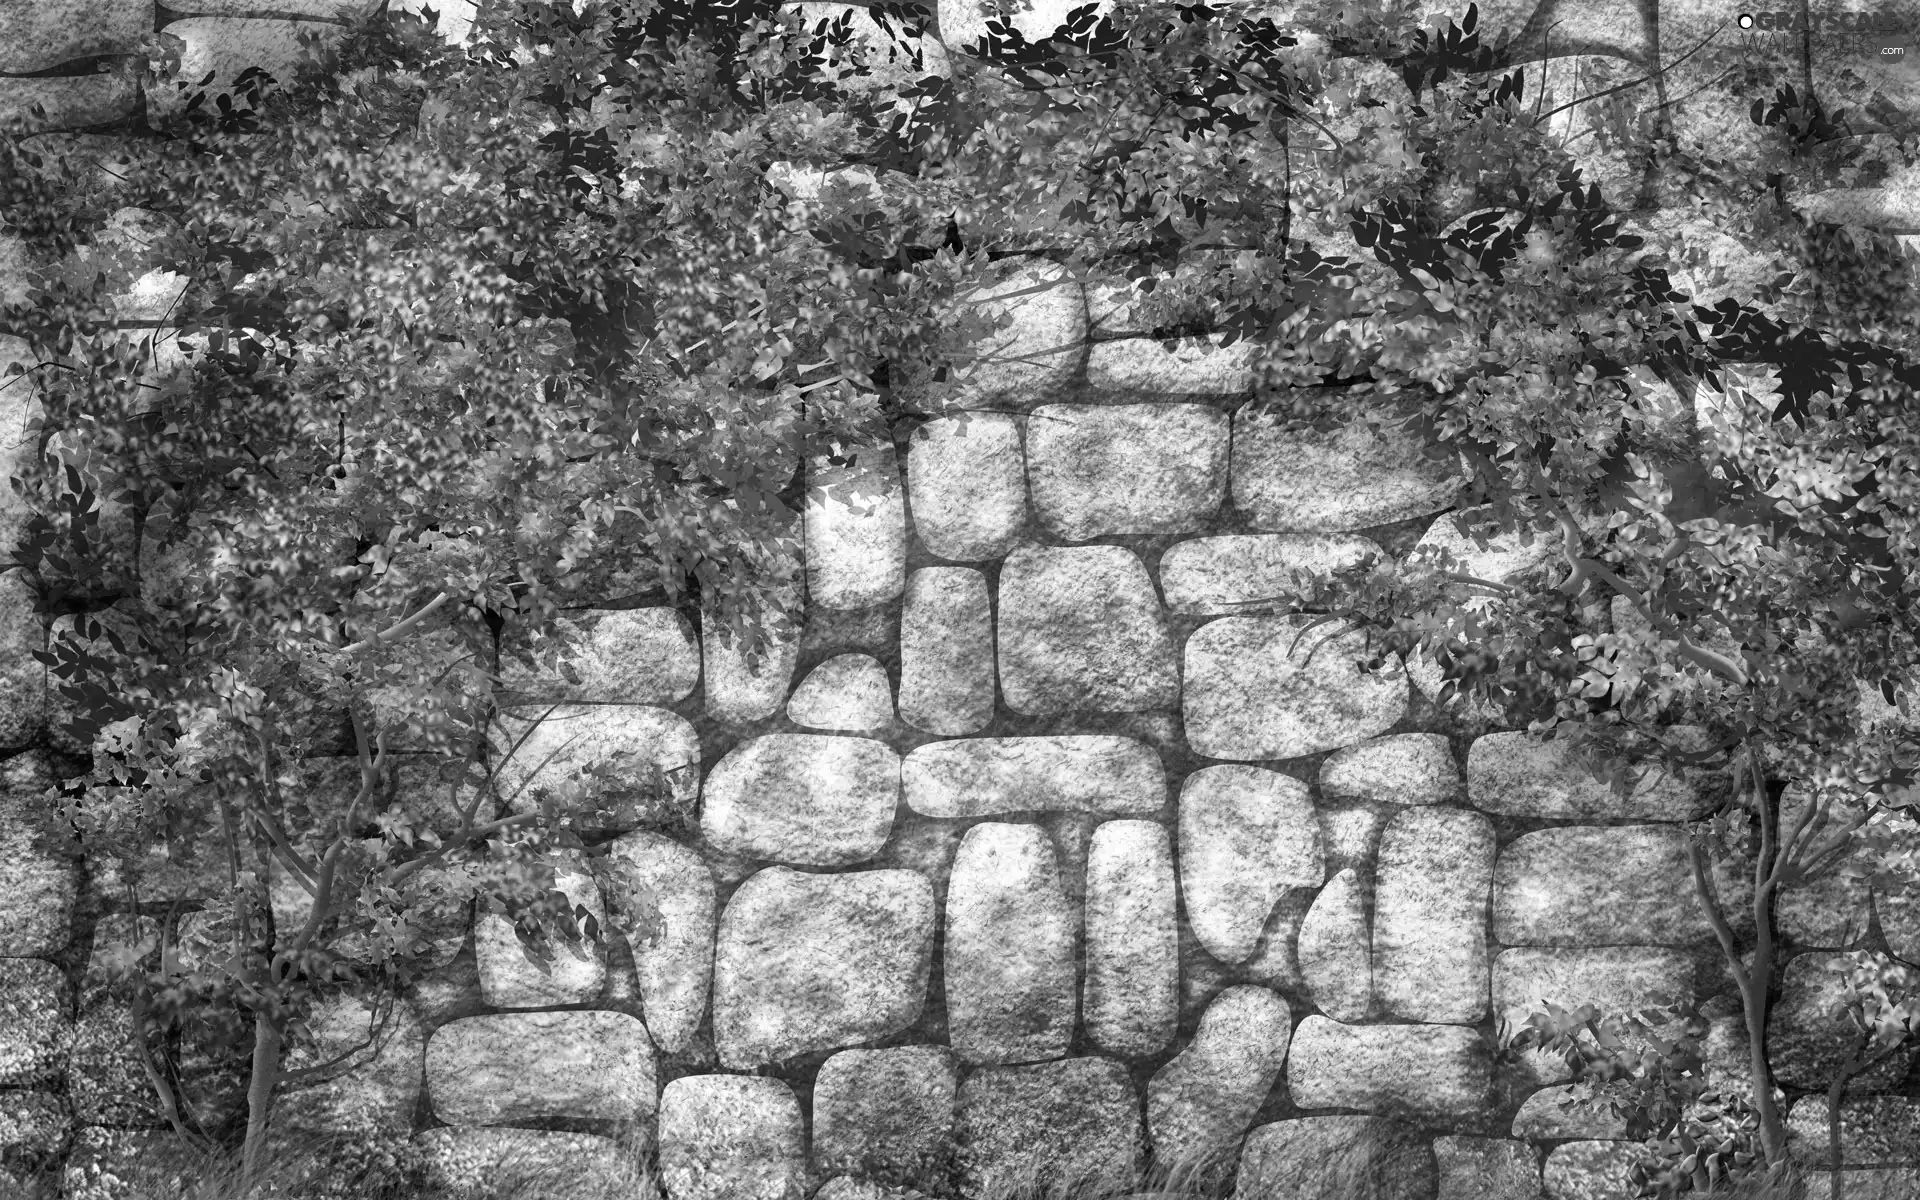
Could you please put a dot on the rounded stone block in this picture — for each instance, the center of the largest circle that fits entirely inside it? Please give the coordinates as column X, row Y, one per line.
column 381, row 1086
column 728, row 1137
column 801, row 798
column 967, row 485
column 946, row 652
column 1806, row 1046
column 1195, row 366
column 1132, row 989
column 983, row 777
column 1251, row 574
column 856, row 534
column 1337, row 482
column 1615, row 979
column 496, row 1070
column 1248, row 697
column 623, row 656
column 1335, row 952
column 1336, row 1158
column 1076, row 1121
column 1126, row 468
column 639, row 762
column 1010, row 948
column 848, row 693
column 1515, row 774
column 674, row 972
column 1434, row 871
column 1620, row 885
column 510, row 978
column 1402, row 768
column 886, row 1115
column 1424, row 1072
column 1081, row 629
column 816, row 962
column 1899, row 912
column 1037, row 354
column 34, row 37
column 738, row 689
column 1247, row 836
column 1201, row 1101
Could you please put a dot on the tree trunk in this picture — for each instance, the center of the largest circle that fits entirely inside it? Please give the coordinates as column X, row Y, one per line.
column 266, row 1073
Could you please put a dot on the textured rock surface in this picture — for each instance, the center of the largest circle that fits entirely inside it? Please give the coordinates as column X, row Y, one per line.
column 383, row 1085
column 1623, row 885
column 1248, row 697
column 1589, row 1170
column 1334, row 950
column 815, row 962
column 1081, row 628
column 38, row 884
column 729, row 1137
column 983, row 777
column 1336, row 1158
column 509, row 978
column 803, row 798
column 1126, row 468
column 967, row 485
column 1477, row 1168
column 739, row 689
column 1010, row 943
column 1073, row 1120
column 1246, row 836
column 628, row 656
column 856, row 535
column 848, row 693
column 497, row 1070
column 1131, row 997
column 674, row 972
column 1615, row 979
column 1335, row 482
column 1875, row 1131
column 885, row 1114
column 1201, row 1102
column 946, row 652
column 1418, row 1071
column 1805, row 1046
column 469, row 1160
column 35, row 1030
column 1249, row 574
column 1038, row 352
column 624, row 744
column 1401, row 768
column 1515, row 775
column 1430, row 915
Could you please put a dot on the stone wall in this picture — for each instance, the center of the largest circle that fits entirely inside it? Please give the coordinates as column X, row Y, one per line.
column 1037, row 850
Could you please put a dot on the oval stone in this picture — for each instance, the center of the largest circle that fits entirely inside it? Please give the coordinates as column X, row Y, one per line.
column 730, row 1137
column 1247, row 697
column 815, row 962
column 1336, row 1158
column 1201, row 1101
column 967, row 485
column 647, row 760
column 946, row 652
column 1132, row 989
column 1246, row 836
column 983, row 777
column 1335, row 952
column 848, row 693
column 1075, row 1121
column 1430, row 915
column 510, row 978
column 673, row 972
column 737, row 689
column 1009, row 956
column 1615, row 979
column 497, row 1070
column 803, row 798
column 856, row 533
column 1401, row 768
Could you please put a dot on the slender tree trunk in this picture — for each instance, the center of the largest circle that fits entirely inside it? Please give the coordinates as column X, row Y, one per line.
column 266, row 1073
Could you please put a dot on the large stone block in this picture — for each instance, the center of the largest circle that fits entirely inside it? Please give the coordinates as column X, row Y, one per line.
column 1430, row 915
column 816, row 962
column 1009, row 956
column 511, row 978
column 1336, row 1158
column 803, row 798
column 1251, row 574
column 497, row 1070
column 385, row 1049
column 622, row 656
column 726, row 1137
column 36, row 1027
column 1620, row 885
column 1615, row 979
column 1126, row 468
column 1076, row 1121
column 740, row 689
column 856, row 533
column 1195, row 366
column 675, row 972
column 886, row 1115
column 1132, row 989
column 1036, row 355
column 1202, row 1100
column 1249, row 697
column 1348, row 479
column 946, row 652
column 641, row 763
column 1081, row 629
column 1334, row 950
column 1806, row 1044
column 1429, row 1072
column 967, row 485
column 38, row 880
column 982, row 777
column 1514, row 774
column 1247, row 836
column 848, row 693
column 1401, row 768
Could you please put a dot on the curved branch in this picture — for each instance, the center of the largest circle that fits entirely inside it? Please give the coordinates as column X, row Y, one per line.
column 400, row 628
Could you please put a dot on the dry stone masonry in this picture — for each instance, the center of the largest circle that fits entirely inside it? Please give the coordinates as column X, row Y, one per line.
column 1041, row 850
